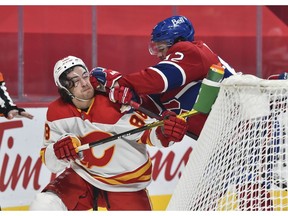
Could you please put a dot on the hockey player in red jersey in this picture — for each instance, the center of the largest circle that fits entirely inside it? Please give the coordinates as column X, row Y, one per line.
column 112, row 175
column 175, row 81
column 8, row 108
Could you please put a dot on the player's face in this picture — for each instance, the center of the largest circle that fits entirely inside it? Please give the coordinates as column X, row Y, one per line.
column 82, row 87
column 158, row 48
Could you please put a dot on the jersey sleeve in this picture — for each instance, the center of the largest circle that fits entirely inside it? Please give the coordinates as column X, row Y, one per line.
column 145, row 81
column 6, row 103
column 185, row 62
column 166, row 75
column 55, row 129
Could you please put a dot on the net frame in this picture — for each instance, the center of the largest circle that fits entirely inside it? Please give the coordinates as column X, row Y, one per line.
column 240, row 160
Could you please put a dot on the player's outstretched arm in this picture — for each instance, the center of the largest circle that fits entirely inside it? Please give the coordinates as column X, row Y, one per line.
column 19, row 112
column 7, row 107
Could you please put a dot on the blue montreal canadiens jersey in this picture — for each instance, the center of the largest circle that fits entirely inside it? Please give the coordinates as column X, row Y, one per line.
column 174, row 83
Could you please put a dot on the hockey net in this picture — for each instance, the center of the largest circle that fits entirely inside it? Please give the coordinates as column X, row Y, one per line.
column 240, row 160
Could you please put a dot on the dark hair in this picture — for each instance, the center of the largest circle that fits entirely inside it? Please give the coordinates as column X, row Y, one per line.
column 179, row 39
column 68, row 84
column 63, row 79
column 65, row 96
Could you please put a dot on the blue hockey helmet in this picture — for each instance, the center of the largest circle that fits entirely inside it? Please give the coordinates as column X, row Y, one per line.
column 173, row 28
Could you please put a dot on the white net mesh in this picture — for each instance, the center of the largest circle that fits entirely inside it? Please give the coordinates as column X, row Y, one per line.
column 240, row 160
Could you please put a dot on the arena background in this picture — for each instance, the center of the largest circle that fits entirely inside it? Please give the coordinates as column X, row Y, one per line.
column 252, row 39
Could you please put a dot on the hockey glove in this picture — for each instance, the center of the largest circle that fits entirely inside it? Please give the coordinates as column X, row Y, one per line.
column 123, row 95
column 10, row 108
column 173, row 130
column 66, row 148
column 96, row 85
column 105, row 76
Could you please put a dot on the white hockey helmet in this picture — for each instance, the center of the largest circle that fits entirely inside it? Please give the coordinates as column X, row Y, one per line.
column 64, row 64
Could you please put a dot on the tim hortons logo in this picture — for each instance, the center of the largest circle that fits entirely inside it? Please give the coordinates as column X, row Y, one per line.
column 166, row 164
column 27, row 170
column 23, row 168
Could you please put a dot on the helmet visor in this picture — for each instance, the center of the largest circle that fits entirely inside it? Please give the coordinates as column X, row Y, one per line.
column 157, row 47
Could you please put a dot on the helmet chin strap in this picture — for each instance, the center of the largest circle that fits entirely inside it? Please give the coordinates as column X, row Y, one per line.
column 83, row 100
column 72, row 96
column 79, row 99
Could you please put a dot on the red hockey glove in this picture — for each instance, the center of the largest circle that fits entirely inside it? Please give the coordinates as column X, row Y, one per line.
column 105, row 76
column 66, row 148
column 121, row 94
column 173, row 130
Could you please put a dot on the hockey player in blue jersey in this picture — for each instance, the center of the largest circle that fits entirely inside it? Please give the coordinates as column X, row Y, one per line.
column 173, row 84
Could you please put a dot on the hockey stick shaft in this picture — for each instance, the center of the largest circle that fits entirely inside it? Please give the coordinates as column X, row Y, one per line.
column 139, row 107
column 130, row 132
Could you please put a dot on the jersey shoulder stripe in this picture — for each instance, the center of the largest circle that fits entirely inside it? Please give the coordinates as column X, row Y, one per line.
column 181, row 70
column 164, row 78
column 174, row 75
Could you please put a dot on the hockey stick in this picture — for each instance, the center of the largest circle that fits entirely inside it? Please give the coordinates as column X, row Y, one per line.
column 138, row 106
column 209, row 88
column 130, row 132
